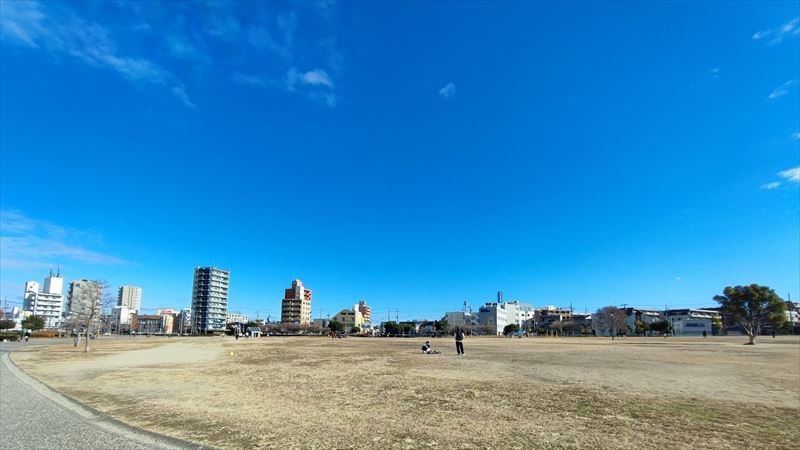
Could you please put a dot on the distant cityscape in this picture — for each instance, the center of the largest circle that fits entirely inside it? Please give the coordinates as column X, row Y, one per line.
column 209, row 314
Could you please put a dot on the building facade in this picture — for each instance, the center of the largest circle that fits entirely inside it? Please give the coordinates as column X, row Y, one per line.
column 130, row 297
column 350, row 318
column 366, row 311
column 151, row 324
column 645, row 316
column 463, row 318
column 496, row 316
column 296, row 304
column 84, row 299
column 691, row 322
column 183, row 321
column 236, row 318
column 47, row 303
column 209, row 300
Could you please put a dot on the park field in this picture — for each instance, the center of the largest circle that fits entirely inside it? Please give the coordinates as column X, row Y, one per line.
column 303, row 392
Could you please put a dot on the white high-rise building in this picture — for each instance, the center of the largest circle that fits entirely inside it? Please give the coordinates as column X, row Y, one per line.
column 209, row 300
column 130, row 297
column 47, row 303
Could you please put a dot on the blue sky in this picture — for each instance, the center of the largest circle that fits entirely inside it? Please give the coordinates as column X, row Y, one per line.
column 415, row 155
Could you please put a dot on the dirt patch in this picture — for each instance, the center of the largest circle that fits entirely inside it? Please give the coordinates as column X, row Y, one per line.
column 382, row 393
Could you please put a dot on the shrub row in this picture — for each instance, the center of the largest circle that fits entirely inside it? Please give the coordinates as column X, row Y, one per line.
column 11, row 336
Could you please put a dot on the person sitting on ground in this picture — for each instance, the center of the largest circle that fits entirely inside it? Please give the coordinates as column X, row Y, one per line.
column 427, row 347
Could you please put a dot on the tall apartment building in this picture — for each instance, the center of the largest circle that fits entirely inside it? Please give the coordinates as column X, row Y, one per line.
column 130, row 297
column 47, row 303
column 209, row 299
column 84, row 296
column 296, row 304
column 366, row 311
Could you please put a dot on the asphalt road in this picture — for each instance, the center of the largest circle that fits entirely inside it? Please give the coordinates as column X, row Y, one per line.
column 32, row 416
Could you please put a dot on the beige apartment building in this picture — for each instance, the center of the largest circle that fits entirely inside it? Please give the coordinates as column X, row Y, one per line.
column 350, row 318
column 296, row 304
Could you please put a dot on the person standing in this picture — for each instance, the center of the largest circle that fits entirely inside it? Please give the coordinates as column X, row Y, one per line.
column 459, row 341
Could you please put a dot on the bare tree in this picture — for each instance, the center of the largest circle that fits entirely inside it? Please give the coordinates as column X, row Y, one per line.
column 87, row 302
column 611, row 319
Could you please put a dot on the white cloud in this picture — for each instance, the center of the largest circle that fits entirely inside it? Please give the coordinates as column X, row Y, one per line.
column 32, row 243
column 782, row 90
column 713, row 73
column 771, row 186
column 792, row 174
column 315, row 84
column 796, row 135
column 777, row 35
column 448, row 91
column 61, row 33
column 317, row 77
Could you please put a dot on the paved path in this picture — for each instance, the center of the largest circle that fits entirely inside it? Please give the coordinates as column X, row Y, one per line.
column 32, row 416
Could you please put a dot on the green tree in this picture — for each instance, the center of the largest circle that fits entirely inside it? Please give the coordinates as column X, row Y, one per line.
column 440, row 325
column 510, row 329
column 661, row 327
column 753, row 307
column 641, row 327
column 336, row 326
column 33, row 323
column 6, row 324
column 391, row 327
column 716, row 326
column 356, row 329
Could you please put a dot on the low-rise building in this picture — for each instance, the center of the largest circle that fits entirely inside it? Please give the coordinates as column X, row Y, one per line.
column 121, row 318
column 546, row 315
column 350, row 318
column 496, row 315
column 151, row 324
column 463, row 318
column 235, row 318
column 691, row 322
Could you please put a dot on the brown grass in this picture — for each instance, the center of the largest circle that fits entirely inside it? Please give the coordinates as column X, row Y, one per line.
column 382, row 393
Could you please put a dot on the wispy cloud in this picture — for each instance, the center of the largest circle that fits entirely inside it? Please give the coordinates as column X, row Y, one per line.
column 796, row 135
column 771, row 186
column 792, row 174
column 30, row 243
column 252, row 80
column 783, row 89
column 713, row 73
column 315, row 84
column 61, row 33
column 152, row 43
column 777, row 35
column 448, row 91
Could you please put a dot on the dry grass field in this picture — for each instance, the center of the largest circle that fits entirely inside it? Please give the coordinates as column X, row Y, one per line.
column 382, row 393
